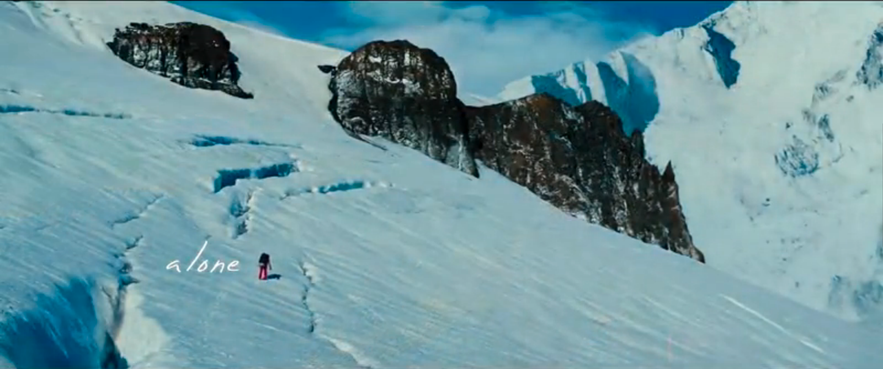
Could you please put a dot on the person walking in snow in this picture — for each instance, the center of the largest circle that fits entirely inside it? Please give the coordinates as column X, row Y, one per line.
column 264, row 264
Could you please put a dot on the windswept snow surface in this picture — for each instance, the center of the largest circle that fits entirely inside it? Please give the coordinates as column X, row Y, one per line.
column 385, row 259
column 781, row 173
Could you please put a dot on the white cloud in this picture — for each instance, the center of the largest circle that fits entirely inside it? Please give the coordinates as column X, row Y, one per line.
column 263, row 26
column 236, row 13
column 486, row 47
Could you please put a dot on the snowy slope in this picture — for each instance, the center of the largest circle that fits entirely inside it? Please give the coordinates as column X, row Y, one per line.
column 386, row 258
column 781, row 174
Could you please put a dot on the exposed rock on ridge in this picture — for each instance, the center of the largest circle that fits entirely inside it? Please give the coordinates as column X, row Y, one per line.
column 576, row 158
column 192, row 55
column 405, row 94
column 579, row 160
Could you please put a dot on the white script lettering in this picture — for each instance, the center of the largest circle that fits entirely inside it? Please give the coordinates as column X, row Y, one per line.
column 219, row 265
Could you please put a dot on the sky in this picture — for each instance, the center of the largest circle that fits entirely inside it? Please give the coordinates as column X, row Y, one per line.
column 487, row 43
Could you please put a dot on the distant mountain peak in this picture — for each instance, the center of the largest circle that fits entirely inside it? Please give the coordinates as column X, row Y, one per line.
column 771, row 107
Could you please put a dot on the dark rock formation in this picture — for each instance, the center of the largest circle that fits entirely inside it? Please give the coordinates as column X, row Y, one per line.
column 191, row 55
column 405, row 94
column 577, row 158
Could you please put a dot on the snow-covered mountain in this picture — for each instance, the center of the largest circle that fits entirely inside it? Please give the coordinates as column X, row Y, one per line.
column 769, row 112
column 383, row 258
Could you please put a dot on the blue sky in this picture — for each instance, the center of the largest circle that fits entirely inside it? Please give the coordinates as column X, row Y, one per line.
column 487, row 43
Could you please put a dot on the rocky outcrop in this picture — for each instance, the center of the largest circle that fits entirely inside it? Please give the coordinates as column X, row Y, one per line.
column 405, row 94
column 192, row 55
column 579, row 160
column 576, row 158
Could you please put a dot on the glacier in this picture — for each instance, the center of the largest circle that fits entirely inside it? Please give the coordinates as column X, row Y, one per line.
column 768, row 112
column 385, row 258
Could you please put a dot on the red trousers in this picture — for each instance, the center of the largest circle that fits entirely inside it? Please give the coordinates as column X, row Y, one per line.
column 262, row 272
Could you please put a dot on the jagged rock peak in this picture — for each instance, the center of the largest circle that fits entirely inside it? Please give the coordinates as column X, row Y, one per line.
column 405, row 94
column 192, row 55
column 579, row 159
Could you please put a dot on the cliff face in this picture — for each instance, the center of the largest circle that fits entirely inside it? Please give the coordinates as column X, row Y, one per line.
column 191, row 55
column 578, row 159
